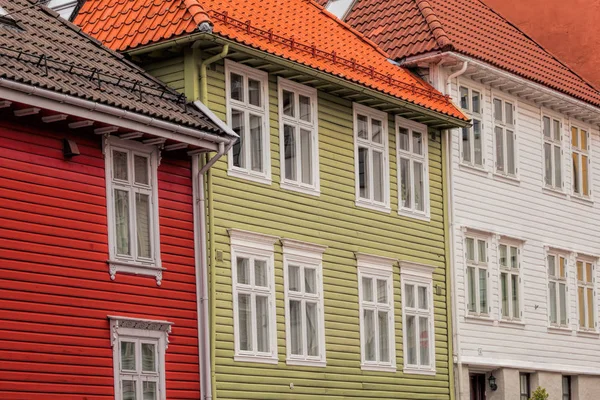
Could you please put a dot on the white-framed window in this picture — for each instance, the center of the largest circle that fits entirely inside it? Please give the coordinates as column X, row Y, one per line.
column 472, row 143
column 132, row 207
column 371, row 158
column 247, row 96
column 580, row 154
column 553, row 151
column 253, row 280
column 298, row 137
column 417, row 315
column 557, row 265
column 304, row 313
column 586, row 294
column 505, row 137
column 509, row 261
column 139, row 348
column 376, row 299
column 413, row 171
column 478, row 274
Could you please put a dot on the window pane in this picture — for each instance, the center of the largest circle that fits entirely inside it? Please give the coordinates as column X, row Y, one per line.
column 367, row 284
column 466, row 144
column 405, row 182
column 294, row 277
column 584, row 175
column 483, row 308
column 516, row 311
column 508, row 113
column 477, row 142
column 378, row 183
column 243, row 270
column 547, row 129
column 237, row 125
column 363, row 178
column 551, row 265
column 369, row 329
column 256, row 149
column 419, row 186
column 362, row 127
column 149, row 357
column 499, row 148
column 417, row 143
column 470, row 249
column 574, row 137
column 583, row 141
column 514, row 258
column 562, row 266
column 245, row 317
column 411, row 340
column 262, row 323
column 476, row 96
column 304, row 108
column 296, row 327
column 288, row 103
column 562, row 292
column 423, row 300
column 122, row 222
column 576, row 187
column 580, row 271
column 254, row 92
column 510, row 152
column 377, row 131
column 424, row 338
column 382, row 296
column 410, row 296
column 581, row 308
column 128, row 390
column 588, row 272
column 149, row 389
column 289, row 144
column 128, row 356
column 310, row 280
column 556, row 125
column 141, row 169
column 548, row 163
column 498, row 110
column 403, row 142
column 557, row 167
column 503, row 255
column 312, row 338
column 590, row 307
column 504, row 289
column 553, row 310
column 237, row 87
column 384, row 341
column 260, row 273
column 481, row 251
column 464, row 98
column 306, row 156
column 142, row 220
column 120, row 165
column 472, row 289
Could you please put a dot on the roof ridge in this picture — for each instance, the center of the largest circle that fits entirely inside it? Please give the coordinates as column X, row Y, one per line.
column 564, row 64
column 435, row 25
column 195, row 8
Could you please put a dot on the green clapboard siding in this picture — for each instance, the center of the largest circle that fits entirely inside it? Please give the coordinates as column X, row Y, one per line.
column 332, row 220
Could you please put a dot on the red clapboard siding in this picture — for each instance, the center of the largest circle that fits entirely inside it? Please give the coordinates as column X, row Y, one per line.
column 56, row 292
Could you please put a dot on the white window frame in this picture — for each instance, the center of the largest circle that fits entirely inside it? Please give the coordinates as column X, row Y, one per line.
column 581, row 152
column 377, row 267
column 518, row 272
column 558, row 254
column 553, row 142
column 140, row 331
column 297, row 123
column 477, row 265
column 473, row 115
column 370, row 203
column 124, row 263
column 254, row 245
column 505, row 126
column 412, row 126
column 304, row 255
column 586, row 285
column 418, row 275
column 262, row 111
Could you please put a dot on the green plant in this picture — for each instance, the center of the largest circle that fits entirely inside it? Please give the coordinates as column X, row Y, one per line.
column 539, row 394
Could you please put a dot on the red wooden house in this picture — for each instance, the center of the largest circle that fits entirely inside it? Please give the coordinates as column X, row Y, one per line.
column 100, row 257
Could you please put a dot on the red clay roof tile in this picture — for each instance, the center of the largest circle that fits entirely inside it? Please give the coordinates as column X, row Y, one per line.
column 298, row 30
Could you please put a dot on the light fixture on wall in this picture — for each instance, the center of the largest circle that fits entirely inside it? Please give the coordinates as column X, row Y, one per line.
column 492, row 382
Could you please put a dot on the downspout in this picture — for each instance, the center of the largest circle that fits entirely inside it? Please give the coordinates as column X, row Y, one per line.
column 450, row 207
column 203, row 73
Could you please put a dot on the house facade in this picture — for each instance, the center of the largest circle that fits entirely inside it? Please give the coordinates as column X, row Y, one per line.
column 524, row 211
column 100, row 265
column 327, row 228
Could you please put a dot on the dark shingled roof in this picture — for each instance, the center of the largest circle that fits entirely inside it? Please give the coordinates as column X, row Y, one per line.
column 46, row 51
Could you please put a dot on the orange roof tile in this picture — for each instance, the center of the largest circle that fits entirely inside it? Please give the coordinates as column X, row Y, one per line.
column 298, row 30
column 407, row 28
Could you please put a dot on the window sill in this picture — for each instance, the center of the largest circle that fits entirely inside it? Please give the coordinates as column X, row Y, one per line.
column 374, row 207
column 414, row 214
column 256, row 359
column 131, row 267
column 512, row 180
column 479, row 319
column 582, row 200
column 554, row 192
column 306, row 363
column 301, row 189
column 415, row 371
column 473, row 169
column 560, row 330
column 249, row 176
column 379, row 368
column 512, row 323
column 589, row 334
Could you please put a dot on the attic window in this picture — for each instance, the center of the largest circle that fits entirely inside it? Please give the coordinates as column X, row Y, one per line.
column 339, row 8
column 6, row 19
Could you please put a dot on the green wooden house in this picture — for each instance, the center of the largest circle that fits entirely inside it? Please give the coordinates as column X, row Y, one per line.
column 327, row 247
